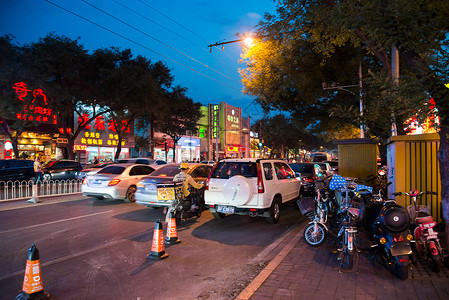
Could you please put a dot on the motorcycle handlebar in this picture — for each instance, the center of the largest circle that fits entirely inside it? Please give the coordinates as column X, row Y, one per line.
column 405, row 193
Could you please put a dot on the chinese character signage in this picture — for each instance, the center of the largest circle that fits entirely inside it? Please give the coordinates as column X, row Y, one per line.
column 215, row 116
column 102, row 132
column 37, row 110
column 233, row 118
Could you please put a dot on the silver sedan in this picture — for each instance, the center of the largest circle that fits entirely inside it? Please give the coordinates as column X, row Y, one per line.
column 116, row 181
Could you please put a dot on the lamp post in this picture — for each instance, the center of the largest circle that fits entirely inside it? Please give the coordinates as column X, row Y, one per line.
column 344, row 88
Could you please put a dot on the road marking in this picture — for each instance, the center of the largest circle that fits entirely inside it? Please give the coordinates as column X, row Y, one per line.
column 55, row 222
column 64, row 258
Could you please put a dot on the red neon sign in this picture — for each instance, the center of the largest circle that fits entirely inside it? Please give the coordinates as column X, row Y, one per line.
column 39, row 111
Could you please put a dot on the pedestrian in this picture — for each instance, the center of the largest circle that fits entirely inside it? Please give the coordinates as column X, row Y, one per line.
column 37, row 169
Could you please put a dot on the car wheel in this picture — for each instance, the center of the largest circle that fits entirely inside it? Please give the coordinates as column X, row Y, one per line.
column 130, row 194
column 46, row 177
column 275, row 212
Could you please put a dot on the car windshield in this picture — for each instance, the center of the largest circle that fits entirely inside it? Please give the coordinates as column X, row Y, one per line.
column 302, row 168
column 166, row 171
column 226, row 170
column 112, row 170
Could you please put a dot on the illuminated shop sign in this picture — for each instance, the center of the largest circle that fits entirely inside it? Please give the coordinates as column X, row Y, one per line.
column 232, row 125
column 38, row 109
column 103, row 133
column 215, row 120
column 189, row 142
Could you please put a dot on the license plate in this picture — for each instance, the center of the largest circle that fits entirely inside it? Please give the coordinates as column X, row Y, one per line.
column 226, row 209
column 150, row 188
column 166, row 194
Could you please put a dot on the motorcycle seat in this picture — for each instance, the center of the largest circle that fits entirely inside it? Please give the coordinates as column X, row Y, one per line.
column 423, row 219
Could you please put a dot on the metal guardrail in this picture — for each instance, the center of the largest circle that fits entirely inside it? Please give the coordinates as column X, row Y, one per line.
column 17, row 190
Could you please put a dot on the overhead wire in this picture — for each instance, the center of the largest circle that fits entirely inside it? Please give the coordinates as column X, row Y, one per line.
column 173, row 32
column 179, row 24
column 157, row 40
column 139, row 44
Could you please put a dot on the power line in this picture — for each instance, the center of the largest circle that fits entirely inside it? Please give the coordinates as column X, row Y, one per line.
column 179, row 24
column 143, row 46
column 175, row 33
column 157, row 40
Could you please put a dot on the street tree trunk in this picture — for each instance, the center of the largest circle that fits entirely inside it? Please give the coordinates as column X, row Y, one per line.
column 444, row 175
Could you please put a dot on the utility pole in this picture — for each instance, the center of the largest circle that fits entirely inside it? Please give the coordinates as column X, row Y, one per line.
column 395, row 77
column 362, row 125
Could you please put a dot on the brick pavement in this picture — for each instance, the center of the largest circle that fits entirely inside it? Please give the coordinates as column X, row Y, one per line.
column 313, row 273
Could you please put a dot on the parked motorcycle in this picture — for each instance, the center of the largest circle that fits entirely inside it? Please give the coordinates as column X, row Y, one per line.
column 324, row 206
column 427, row 244
column 390, row 234
column 183, row 208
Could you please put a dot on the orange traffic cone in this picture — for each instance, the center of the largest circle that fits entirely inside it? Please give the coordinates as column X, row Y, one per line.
column 172, row 233
column 33, row 288
column 158, row 246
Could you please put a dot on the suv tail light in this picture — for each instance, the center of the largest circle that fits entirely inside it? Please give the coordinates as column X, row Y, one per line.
column 260, row 186
column 208, row 177
column 308, row 179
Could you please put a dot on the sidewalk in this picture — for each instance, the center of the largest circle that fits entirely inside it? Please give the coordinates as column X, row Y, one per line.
column 300, row 271
column 22, row 203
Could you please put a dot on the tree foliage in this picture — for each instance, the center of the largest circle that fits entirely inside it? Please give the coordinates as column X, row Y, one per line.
column 331, row 36
column 107, row 82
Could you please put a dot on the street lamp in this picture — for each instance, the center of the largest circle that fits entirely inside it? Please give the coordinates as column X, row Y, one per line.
column 344, row 88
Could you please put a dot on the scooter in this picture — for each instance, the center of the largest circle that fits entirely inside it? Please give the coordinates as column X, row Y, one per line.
column 427, row 243
column 183, row 208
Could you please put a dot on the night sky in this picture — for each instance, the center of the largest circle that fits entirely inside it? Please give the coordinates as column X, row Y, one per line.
column 175, row 32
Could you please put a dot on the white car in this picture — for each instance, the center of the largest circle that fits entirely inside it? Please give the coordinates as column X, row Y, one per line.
column 254, row 187
column 116, row 181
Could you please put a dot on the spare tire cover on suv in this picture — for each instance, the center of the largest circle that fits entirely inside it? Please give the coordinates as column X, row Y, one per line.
column 237, row 190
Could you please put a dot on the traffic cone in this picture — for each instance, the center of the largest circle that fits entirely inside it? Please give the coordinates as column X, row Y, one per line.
column 158, row 245
column 172, row 233
column 33, row 288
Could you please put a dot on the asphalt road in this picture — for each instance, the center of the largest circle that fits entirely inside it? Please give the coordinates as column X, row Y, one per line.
column 95, row 249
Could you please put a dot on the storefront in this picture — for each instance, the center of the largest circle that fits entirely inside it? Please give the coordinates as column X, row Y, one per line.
column 100, row 139
column 42, row 138
column 188, row 149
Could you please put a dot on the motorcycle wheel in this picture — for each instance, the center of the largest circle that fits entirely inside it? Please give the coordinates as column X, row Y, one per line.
column 347, row 261
column 436, row 264
column 315, row 237
column 399, row 269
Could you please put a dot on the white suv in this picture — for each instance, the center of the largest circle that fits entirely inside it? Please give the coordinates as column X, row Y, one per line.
column 251, row 186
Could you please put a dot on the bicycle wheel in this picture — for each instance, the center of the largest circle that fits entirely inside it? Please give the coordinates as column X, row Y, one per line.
column 347, row 261
column 315, row 234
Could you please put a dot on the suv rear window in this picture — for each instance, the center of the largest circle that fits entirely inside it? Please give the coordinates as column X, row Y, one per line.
column 227, row 169
column 302, row 168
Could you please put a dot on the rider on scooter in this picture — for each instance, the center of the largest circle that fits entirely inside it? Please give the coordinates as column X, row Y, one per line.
column 186, row 180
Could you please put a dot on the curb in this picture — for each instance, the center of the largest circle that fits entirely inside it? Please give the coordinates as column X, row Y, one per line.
column 266, row 272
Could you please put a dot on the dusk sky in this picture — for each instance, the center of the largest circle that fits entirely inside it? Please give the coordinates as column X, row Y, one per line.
column 175, row 32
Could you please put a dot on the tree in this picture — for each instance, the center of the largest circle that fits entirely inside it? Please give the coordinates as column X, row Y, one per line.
column 15, row 95
column 418, row 29
column 62, row 68
column 181, row 115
